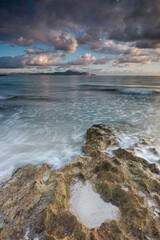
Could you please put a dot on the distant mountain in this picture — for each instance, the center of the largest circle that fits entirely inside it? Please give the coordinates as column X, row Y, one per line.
column 66, row 73
column 69, row 72
column 2, row 74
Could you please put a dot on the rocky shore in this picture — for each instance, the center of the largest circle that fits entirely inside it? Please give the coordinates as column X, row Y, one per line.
column 39, row 202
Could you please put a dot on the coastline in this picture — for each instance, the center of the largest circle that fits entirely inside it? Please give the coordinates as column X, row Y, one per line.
column 35, row 202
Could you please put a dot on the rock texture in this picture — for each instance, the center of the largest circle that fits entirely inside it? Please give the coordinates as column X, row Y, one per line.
column 34, row 203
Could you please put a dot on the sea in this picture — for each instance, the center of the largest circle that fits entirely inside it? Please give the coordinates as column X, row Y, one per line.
column 44, row 118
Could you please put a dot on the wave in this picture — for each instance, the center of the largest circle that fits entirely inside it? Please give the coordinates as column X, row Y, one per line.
column 118, row 89
column 2, row 97
column 138, row 92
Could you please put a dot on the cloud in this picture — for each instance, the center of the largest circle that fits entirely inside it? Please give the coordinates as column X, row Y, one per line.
column 34, row 58
column 24, row 42
column 125, row 33
column 29, row 51
column 142, row 57
column 62, row 41
column 85, row 60
column 131, row 60
column 103, row 60
column 57, row 23
column 128, row 57
column 113, row 48
column 141, row 21
column 128, row 54
column 29, row 60
column 148, row 44
column 40, row 51
column 92, row 38
column 58, row 39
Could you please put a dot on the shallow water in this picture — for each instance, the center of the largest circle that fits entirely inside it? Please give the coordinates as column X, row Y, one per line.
column 44, row 118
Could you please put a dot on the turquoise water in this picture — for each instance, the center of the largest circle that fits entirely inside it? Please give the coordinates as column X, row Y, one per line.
column 44, row 118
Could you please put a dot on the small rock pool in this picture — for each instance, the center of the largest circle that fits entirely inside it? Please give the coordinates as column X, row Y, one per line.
column 88, row 206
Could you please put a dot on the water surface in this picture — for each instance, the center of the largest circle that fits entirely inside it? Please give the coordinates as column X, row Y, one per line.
column 44, row 118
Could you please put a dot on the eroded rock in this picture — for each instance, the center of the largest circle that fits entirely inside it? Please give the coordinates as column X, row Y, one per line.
column 33, row 206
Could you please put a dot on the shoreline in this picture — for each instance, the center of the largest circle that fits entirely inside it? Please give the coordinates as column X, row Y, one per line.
column 35, row 202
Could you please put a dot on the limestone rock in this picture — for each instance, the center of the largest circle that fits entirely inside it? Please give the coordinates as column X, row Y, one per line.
column 33, row 206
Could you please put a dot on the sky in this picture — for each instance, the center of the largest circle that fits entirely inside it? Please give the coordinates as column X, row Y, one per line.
column 105, row 37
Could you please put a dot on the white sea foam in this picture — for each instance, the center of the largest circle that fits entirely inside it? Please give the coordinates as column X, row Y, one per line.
column 88, row 206
column 131, row 138
column 31, row 143
column 26, row 234
column 152, row 204
column 150, row 153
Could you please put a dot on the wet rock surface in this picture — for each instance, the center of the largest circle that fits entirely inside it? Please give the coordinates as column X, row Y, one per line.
column 34, row 203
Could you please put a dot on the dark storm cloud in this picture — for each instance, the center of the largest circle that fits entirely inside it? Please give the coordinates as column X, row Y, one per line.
column 141, row 21
column 55, row 22
column 148, row 44
column 92, row 38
